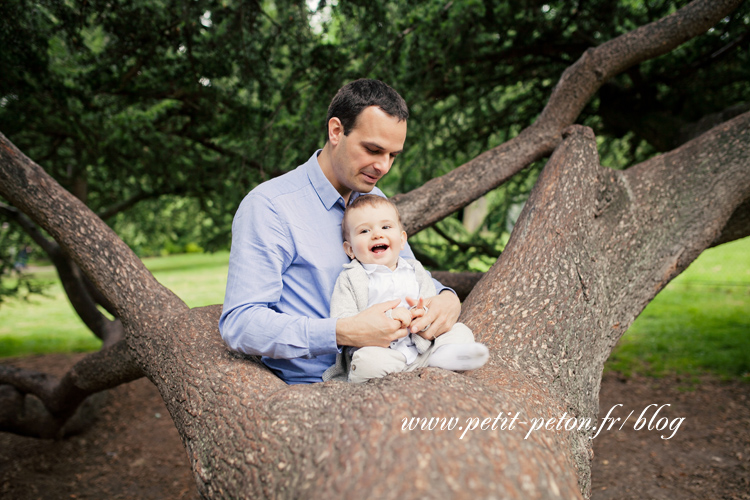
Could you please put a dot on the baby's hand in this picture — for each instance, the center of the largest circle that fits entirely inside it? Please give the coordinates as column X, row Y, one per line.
column 418, row 310
column 401, row 314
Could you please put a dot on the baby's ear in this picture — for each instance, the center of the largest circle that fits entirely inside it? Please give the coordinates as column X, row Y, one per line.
column 403, row 239
column 348, row 250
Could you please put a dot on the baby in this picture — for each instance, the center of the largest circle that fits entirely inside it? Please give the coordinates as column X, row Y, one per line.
column 373, row 237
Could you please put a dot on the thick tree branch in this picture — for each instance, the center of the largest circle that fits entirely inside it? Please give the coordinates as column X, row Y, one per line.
column 97, row 296
column 692, row 130
column 73, row 281
column 442, row 196
column 588, row 254
column 27, row 381
column 461, row 283
column 84, row 303
column 29, row 228
column 737, row 227
column 40, row 405
column 139, row 300
column 292, row 441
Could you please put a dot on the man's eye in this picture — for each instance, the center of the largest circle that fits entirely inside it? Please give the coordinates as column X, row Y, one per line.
column 373, row 151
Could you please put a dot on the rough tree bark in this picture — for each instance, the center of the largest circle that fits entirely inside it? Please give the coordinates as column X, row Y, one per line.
column 591, row 248
column 588, row 255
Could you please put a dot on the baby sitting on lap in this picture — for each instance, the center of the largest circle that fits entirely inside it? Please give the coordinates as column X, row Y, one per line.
column 373, row 238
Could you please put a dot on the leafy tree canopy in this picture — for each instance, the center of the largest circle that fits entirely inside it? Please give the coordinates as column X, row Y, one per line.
column 124, row 101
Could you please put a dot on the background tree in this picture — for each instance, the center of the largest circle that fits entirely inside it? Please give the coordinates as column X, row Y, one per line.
column 181, row 106
column 570, row 282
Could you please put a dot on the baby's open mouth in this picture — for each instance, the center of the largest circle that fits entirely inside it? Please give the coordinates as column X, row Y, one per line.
column 379, row 248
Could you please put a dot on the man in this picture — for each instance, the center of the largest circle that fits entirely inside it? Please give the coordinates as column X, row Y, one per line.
column 287, row 248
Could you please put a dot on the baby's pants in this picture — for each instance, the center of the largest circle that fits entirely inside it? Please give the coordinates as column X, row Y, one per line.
column 376, row 362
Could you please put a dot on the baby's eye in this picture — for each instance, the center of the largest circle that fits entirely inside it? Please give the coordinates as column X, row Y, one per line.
column 386, row 227
column 364, row 231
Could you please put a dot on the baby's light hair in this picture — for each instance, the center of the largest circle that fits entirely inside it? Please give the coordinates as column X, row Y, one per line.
column 367, row 200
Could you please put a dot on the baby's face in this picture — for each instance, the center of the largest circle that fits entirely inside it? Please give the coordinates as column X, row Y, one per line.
column 375, row 236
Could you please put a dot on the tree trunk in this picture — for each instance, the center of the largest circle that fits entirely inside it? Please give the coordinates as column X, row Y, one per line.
column 588, row 254
column 592, row 247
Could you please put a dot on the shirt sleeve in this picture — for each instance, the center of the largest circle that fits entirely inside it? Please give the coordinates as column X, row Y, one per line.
column 262, row 249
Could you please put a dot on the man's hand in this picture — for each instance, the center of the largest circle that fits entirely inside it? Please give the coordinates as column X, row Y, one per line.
column 442, row 313
column 370, row 327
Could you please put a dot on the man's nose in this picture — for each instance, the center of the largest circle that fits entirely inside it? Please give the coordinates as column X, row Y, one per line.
column 383, row 164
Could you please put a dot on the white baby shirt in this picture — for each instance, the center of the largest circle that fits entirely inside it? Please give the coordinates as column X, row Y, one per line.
column 385, row 285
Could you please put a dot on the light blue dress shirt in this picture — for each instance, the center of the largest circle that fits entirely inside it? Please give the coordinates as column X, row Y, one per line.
column 286, row 255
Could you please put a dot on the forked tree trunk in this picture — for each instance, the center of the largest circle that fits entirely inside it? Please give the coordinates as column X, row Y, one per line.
column 592, row 247
column 588, row 254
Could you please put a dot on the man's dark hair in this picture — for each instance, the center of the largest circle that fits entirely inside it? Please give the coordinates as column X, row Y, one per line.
column 353, row 97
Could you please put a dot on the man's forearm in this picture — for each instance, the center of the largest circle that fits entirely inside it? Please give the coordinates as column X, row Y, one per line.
column 263, row 332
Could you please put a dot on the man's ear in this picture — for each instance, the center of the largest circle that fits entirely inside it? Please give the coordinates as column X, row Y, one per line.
column 335, row 131
column 348, row 249
column 403, row 239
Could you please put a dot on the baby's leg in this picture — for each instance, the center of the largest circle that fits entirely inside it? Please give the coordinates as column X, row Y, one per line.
column 375, row 362
column 456, row 350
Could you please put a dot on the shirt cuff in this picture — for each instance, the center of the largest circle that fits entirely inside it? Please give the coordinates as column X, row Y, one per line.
column 439, row 287
column 322, row 337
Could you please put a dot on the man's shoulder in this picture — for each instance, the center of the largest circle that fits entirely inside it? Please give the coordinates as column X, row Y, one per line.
column 287, row 183
column 279, row 192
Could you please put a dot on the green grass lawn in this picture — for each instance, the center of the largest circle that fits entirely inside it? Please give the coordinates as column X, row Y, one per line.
column 49, row 324
column 699, row 323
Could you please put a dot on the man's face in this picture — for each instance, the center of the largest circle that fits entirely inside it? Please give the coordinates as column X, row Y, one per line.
column 375, row 236
column 360, row 159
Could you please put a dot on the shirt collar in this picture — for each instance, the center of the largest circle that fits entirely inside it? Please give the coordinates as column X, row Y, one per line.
column 323, row 187
column 372, row 268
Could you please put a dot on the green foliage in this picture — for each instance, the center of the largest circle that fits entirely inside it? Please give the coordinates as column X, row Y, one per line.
column 169, row 225
column 15, row 251
column 183, row 107
column 139, row 99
